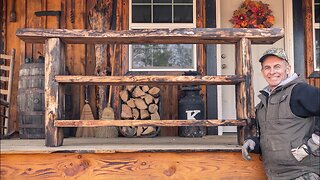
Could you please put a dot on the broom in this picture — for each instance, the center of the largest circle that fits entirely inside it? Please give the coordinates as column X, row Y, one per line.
column 86, row 114
column 108, row 112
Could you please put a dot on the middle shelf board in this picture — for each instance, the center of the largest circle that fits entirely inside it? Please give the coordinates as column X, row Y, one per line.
column 151, row 80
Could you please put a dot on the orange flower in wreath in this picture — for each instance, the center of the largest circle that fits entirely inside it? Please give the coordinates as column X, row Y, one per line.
column 253, row 14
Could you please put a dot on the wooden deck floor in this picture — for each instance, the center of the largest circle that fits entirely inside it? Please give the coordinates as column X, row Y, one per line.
column 121, row 144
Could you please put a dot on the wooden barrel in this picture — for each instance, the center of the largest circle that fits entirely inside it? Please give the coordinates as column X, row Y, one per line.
column 31, row 101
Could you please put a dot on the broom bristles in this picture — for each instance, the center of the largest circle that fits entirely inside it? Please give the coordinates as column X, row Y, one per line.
column 107, row 132
column 86, row 114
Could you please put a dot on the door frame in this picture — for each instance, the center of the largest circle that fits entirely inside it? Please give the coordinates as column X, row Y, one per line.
column 288, row 43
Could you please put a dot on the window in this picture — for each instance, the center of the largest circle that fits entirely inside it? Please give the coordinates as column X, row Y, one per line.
column 316, row 25
column 146, row 14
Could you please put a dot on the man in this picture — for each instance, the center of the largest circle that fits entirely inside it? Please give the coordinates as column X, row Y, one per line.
column 286, row 120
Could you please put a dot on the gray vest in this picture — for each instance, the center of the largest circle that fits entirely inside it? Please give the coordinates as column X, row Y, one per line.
column 281, row 131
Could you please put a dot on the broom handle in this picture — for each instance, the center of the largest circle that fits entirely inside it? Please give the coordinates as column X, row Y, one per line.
column 86, row 101
column 112, row 64
column 109, row 97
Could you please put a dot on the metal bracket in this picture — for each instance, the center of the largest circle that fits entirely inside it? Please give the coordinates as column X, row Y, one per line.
column 47, row 13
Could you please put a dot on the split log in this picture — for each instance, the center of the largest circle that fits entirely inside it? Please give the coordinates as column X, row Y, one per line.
column 145, row 88
column 148, row 98
column 144, row 114
column 148, row 130
column 156, row 100
column 139, row 131
column 124, row 95
column 131, row 103
column 135, row 113
column 130, row 88
column 153, row 108
column 140, row 103
column 126, row 112
column 137, row 92
column 154, row 91
column 155, row 116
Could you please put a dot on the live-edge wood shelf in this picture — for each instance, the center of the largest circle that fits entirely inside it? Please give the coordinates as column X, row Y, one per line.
column 138, row 80
column 55, row 40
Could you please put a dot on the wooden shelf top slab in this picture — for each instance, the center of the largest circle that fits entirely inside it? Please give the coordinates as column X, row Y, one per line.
column 156, row 80
column 154, row 36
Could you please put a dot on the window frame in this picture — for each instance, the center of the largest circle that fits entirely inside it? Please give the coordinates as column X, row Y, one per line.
column 163, row 26
column 315, row 26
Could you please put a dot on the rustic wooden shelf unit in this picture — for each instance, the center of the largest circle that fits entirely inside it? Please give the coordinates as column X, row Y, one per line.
column 55, row 40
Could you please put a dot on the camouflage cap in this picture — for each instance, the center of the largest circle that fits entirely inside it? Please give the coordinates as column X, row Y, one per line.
column 279, row 52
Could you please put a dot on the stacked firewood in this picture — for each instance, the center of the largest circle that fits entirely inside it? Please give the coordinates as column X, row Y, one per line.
column 140, row 102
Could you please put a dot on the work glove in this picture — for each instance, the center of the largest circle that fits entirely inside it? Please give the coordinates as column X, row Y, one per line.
column 314, row 144
column 247, row 147
column 312, row 147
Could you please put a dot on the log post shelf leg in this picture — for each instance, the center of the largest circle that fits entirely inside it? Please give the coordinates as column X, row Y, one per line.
column 54, row 93
column 244, row 90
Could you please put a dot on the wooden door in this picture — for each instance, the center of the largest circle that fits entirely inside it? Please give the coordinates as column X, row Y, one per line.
column 227, row 58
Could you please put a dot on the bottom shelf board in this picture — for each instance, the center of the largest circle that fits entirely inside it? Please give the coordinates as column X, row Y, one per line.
column 226, row 143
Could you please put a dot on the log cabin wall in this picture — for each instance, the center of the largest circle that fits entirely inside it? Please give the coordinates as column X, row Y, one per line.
column 81, row 59
column 312, row 76
column 26, row 18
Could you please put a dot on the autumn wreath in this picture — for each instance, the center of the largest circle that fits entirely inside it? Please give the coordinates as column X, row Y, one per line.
column 252, row 14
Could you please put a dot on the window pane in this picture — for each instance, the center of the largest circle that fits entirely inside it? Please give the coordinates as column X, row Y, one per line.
column 162, row 56
column 317, row 44
column 162, row 14
column 141, row 14
column 317, row 13
column 141, row 1
column 162, row 1
column 182, row 1
column 183, row 14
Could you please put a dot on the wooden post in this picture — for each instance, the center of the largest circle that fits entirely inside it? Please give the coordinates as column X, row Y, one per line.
column 244, row 90
column 54, row 93
column 100, row 17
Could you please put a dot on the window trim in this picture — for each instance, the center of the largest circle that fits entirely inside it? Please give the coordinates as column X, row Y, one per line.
column 163, row 26
column 315, row 26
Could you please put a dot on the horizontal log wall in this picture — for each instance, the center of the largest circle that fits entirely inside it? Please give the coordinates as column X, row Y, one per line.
column 26, row 18
column 196, row 165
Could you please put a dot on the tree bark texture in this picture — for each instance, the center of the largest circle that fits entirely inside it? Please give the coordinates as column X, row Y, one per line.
column 100, row 19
